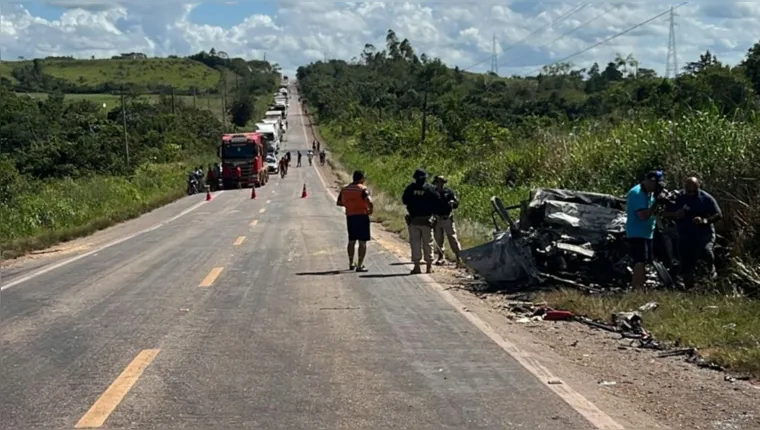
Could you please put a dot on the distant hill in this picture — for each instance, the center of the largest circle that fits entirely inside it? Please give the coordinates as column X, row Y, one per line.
column 144, row 75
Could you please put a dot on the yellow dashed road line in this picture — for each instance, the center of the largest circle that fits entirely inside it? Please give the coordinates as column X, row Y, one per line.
column 110, row 399
column 239, row 241
column 254, row 222
column 211, row 277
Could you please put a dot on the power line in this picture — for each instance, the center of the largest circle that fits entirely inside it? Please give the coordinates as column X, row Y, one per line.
column 570, row 32
column 547, row 26
column 641, row 24
column 552, row 23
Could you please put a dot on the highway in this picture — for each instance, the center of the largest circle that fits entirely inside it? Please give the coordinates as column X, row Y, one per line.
column 241, row 313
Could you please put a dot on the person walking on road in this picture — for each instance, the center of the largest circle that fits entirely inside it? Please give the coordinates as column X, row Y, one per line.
column 355, row 198
column 299, row 159
column 444, row 224
column 310, row 156
column 421, row 199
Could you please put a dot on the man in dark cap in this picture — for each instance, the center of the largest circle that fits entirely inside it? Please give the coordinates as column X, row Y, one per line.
column 444, row 224
column 640, row 223
column 421, row 199
column 695, row 211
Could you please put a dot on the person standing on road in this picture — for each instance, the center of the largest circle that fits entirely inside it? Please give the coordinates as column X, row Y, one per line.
column 444, row 224
column 695, row 212
column 420, row 199
column 211, row 178
column 283, row 166
column 299, row 159
column 640, row 224
column 218, row 174
column 239, row 177
column 355, row 198
column 310, row 156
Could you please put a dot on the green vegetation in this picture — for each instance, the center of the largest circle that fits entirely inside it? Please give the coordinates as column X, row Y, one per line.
column 598, row 128
column 101, row 75
column 64, row 170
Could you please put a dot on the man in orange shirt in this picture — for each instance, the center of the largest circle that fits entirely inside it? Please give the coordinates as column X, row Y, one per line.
column 355, row 198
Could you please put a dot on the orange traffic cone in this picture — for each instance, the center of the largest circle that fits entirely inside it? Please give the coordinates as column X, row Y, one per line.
column 208, row 194
column 253, row 191
column 303, row 193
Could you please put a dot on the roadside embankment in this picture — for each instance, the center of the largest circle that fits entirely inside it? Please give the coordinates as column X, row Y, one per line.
column 59, row 211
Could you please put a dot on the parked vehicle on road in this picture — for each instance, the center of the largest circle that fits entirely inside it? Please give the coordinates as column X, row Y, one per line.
column 244, row 150
column 272, row 164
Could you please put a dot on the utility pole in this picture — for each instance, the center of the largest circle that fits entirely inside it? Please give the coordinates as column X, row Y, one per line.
column 1, row 46
column 671, row 63
column 124, row 125
column 494, row 57
column 424, row 115
column 224, row 103
column 173, row 107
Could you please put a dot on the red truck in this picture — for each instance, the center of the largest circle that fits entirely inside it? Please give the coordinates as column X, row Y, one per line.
column 244, row 150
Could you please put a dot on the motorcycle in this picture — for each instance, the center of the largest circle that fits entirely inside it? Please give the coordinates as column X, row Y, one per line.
column 192, row 186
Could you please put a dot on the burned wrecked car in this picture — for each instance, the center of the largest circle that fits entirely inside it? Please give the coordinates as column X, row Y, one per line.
column 563, row 236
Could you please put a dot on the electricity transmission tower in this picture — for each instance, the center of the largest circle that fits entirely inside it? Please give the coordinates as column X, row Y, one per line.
column 494, row 58
column 671, row 66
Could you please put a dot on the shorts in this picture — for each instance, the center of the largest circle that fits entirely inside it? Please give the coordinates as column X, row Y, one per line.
column 641, row 250
column 358, row 228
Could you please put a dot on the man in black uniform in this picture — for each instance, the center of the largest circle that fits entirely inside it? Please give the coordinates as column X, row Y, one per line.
column 444, row 224
column 420, row 199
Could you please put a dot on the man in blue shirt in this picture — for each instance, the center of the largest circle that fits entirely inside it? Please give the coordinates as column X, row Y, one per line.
column 640, row 224
column 695, row 212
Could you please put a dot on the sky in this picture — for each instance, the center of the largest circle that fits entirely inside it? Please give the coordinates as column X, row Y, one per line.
column 291, row 33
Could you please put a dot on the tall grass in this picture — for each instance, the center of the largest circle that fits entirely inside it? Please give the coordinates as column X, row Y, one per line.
column 56, row 211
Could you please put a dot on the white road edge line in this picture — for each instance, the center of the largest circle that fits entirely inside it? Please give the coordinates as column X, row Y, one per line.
column 580, row 404
column 52, row 267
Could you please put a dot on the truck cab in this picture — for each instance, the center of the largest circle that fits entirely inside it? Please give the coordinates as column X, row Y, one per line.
column 244, row 150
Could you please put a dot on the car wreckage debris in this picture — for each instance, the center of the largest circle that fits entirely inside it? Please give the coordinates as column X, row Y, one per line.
column 564, row 237
column 629, row 325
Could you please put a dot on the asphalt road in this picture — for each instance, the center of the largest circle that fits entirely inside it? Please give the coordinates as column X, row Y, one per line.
column 280, row 336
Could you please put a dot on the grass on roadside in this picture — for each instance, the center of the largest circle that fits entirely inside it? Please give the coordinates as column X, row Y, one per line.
column 724, row 329
column 729, row 334
column 64, row 210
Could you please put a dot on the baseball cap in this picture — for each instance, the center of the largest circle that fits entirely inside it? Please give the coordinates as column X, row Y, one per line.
column 419, row 174
column 657, row 176
column 440, row 178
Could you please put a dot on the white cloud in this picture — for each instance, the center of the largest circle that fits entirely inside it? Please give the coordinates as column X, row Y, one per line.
column 459, row 32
